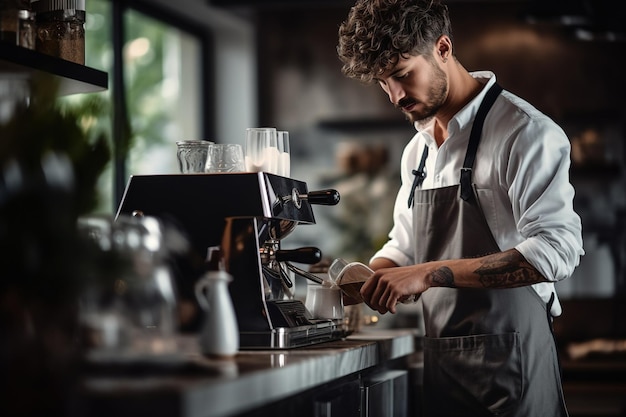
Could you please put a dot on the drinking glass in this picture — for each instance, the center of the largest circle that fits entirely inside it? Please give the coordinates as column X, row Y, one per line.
column 261, row 150
column 192, row 155
column 225, row 157
column 284, row 163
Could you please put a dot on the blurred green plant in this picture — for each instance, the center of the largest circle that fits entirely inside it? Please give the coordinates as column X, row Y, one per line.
column 50, row 162
column 45, row 126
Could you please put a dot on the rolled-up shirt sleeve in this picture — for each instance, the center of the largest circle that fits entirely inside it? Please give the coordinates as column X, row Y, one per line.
column 542, row 200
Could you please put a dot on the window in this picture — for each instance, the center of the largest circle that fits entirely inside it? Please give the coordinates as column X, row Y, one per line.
column 161, row 70
column 163, row 91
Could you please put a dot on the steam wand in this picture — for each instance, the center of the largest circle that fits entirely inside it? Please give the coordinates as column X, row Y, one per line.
column 308, row 275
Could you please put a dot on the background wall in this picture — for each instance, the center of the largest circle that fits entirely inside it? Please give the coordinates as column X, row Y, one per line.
column 578, row 83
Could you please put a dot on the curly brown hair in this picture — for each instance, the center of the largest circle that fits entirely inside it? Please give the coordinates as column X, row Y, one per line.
column 378, row 32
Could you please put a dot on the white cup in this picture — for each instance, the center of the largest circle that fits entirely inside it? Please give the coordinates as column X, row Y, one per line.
column 261, row 153
column 324, row 302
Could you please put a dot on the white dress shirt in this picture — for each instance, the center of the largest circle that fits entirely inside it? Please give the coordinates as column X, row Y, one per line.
column 521, row 172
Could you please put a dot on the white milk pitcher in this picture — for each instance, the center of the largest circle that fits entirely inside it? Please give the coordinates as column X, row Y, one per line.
column 219, row 336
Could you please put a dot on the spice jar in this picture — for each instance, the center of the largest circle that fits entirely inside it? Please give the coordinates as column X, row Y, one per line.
column 61, row 29
column 11, row 12
column 27, row 29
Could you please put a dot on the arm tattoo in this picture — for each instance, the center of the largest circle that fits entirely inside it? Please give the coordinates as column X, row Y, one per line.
column 507, row 270
column 442, row 277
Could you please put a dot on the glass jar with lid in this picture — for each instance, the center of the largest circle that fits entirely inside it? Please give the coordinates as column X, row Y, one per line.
column 61, row 29
column 26, row 29
column 11, row 12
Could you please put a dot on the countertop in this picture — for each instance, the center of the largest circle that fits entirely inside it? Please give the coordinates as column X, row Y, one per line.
column 191, row 385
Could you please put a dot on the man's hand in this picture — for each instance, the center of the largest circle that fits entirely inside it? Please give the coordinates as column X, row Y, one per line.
column 389, row 286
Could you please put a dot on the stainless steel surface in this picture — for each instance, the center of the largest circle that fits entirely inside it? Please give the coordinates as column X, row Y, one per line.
column 191, row 385
column 317, row 331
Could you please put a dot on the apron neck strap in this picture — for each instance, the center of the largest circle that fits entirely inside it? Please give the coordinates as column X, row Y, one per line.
column 419, row 175
column 474, row 139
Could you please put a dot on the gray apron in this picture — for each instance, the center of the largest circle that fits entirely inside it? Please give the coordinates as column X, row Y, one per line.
column 487, row 352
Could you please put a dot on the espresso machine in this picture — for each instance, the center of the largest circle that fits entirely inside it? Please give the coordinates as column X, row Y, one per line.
column 237, row 222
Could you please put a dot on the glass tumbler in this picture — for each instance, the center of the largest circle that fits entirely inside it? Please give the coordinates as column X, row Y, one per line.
column 284, row 162
column 261, row 150
column 225, row 157
column 192, row 155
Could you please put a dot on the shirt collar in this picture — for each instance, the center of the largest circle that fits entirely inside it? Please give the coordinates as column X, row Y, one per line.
column 467, row 113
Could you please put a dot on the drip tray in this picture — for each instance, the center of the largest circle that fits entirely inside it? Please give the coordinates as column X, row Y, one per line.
column 318, row 331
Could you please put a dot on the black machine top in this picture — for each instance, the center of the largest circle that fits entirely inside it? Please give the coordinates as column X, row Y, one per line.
column 199, row 203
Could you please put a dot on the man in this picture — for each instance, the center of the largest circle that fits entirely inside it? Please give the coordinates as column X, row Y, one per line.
column 483, row 221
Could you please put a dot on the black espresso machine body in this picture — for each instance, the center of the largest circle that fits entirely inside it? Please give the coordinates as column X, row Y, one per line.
column 244, row 217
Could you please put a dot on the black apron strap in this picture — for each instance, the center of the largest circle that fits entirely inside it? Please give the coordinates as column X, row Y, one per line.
column 472, row 147
column 419, row 175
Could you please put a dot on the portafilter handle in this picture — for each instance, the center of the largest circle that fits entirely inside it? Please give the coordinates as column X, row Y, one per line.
column 306, row 255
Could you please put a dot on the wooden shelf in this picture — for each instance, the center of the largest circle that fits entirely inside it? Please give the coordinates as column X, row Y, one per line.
column 19, row 62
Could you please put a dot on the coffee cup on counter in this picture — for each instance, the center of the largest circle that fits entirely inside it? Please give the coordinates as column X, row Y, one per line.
column 323, row 301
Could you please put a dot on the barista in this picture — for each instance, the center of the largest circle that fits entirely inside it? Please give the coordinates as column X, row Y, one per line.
column 483, row 221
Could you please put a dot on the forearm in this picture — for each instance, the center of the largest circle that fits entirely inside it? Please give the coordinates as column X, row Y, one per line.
column 506, row 269
column 390, row 284
column 379, row 263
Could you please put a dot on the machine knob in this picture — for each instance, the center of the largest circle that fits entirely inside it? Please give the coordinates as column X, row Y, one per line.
column 324, row 197
column 306, row 255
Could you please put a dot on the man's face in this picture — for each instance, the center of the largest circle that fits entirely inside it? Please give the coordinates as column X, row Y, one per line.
column 417, row 86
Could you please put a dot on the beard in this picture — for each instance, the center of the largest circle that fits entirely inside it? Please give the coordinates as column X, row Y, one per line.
column 436, row 97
